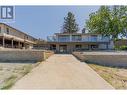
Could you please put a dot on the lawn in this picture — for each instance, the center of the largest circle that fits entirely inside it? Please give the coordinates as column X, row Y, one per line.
column 116, row 76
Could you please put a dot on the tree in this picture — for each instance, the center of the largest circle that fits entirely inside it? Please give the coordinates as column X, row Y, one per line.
column 70, row 25
column 108, row 21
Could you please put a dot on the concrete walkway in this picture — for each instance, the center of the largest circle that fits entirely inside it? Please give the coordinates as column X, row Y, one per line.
column 62, row 71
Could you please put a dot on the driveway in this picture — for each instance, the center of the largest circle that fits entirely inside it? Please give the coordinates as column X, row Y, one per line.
column 62, row 71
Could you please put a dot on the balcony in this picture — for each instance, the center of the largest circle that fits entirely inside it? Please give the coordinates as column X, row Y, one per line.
column 68, row 39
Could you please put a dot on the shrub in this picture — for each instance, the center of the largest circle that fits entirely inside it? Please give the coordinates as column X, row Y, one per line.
column 121, row 47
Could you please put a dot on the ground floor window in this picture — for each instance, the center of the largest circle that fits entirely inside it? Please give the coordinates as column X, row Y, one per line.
column 52, row 47
column 63, row 48
column 94, row 47
column 78, row 47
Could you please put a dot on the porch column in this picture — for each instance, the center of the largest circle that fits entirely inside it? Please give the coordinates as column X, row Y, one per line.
column 12, row 43
column 3, row 41
column 57, row 48
column 18, row 44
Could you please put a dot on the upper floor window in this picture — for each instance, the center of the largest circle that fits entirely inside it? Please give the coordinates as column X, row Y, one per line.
column 27, row 37
column 93, row 37
column 64, row 38
column 76, row 38
column 7, row 30
column 0, row 29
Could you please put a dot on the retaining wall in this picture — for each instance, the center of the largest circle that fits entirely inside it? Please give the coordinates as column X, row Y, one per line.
column 24, row 55
column 104, row 58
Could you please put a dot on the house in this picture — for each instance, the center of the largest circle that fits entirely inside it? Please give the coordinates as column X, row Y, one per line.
column 13, row 38
column 40, row 44
column 69, row 42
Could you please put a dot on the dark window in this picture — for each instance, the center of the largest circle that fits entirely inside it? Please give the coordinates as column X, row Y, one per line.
column 78, row 47
column 94, row 46
column 53, row 47
column 7, row 30
column 0, row 29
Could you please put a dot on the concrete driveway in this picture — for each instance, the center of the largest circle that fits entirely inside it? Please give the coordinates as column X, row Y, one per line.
column 62, row 71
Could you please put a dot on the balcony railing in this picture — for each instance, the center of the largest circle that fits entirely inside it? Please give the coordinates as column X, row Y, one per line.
column 90, row 39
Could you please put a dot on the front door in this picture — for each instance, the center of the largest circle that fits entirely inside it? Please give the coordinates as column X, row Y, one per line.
column 63, row 48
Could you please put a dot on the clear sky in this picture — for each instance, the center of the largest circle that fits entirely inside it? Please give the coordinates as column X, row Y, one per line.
column 43, row 21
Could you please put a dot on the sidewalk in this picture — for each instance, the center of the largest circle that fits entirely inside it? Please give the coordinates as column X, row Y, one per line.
column 62, row 71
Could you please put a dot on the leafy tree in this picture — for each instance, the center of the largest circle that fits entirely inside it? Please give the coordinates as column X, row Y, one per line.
column 108, row 21
column 70, row 25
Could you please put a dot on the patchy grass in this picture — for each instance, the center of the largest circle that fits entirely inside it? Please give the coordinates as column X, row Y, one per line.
column 27, row 69
column 10, row 73
column 117, row 77
column 9, row 82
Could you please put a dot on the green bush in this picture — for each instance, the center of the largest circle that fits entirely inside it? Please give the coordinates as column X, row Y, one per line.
column 121, row 47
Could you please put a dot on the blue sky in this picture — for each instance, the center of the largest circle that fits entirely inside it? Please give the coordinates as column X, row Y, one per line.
column 42, row 21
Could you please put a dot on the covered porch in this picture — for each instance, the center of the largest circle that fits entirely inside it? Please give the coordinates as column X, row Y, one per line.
column 11, row 43
column 71, row 47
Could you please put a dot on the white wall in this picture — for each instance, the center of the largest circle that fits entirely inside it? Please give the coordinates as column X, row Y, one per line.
column 102, row 46
column 111, row 45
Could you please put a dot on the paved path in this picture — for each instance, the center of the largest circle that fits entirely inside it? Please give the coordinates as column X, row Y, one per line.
column 62, row 71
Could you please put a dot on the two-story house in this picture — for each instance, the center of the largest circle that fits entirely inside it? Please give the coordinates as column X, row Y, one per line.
column 13, row 38
column 67, row 43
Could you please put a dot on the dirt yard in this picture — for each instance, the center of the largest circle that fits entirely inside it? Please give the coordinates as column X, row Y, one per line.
column 116, row 76
column 11, row 72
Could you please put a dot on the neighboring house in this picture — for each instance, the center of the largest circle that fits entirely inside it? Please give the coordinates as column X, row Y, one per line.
column 67, row 43
column 13, row 38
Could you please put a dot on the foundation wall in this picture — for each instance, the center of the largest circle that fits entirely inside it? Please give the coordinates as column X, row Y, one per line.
column 103, row 58
column 24, row 55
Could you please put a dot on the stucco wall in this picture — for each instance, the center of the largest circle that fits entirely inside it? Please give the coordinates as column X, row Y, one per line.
column 23, row 55
column 103, row 58
column 102, row 46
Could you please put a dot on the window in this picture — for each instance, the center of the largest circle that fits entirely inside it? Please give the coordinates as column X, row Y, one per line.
column 27, row 37
column 7, row 30
column 76, row 38
column 64, row 38
column 93, row 47
column 53, row 47
column 94, row 38
column 78, row 47
column 0, row 29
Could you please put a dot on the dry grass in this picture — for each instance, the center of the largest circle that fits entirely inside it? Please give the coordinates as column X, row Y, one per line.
column 9, row 82
column 117, row 77
column 10, row 73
